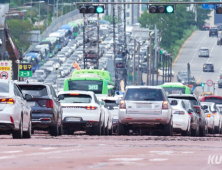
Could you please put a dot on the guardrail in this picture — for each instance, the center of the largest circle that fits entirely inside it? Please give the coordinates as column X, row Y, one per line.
column 56, row 24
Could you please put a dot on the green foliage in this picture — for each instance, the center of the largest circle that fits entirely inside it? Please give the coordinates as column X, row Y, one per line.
column 17, row 27
column 110, row 19
column 174, row 28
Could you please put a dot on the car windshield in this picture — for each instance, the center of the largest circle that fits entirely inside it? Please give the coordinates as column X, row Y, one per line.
column 110, row 104
column 192, row 100
column 4, row 87
column 39, row 73
column 75, row 98
column 34, row 90
column 140, row 94
column 216, row 100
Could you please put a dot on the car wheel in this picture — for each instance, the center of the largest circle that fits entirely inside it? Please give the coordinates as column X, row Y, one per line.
column 202, row 131
column 217, row 130
column 28, row 134
column 54, row 131
column 168, row 129
column 97, row 130
column 187, row 132
column 121, row 129
column 195, row 132
column 18, row 134
column 111, row 131
column 61, row 129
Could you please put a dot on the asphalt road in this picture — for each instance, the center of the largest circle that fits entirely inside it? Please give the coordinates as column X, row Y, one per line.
column 189, row 54
column 81, row 152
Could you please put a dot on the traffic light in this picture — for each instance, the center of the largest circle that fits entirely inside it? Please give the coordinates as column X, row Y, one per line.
column 202, row 84
column 218, row 9
column 161, row 8
column 91, row 9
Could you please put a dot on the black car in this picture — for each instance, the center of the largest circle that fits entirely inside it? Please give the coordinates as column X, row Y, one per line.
column 219, row 26
column 46, row 109
column 197, row 109
column 180, row 75
column 213, row 32
column 206, row 26
column 220, row 83
column 219, row 40
column 208, row 67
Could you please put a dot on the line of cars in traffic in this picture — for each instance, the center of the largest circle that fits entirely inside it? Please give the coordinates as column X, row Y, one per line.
column 29, row 106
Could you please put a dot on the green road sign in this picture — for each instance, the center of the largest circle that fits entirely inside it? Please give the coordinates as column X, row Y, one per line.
column 25, row 73
column 25, row 70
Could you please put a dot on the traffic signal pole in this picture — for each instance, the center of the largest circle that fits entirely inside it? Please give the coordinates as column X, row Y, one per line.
column 84, row 27
column 134, row 62
column 138, row 66
column 98, row 57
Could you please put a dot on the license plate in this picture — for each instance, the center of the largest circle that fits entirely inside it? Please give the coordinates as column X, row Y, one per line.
column 73, row 119
column 31, row 104
column 143, row 105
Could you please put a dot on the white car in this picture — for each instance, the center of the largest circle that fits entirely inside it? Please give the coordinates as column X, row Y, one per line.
column 112, row 106
column 82, row 112
column 181, row 118
column 145, row 108
column 14, row 111
column 213, row 117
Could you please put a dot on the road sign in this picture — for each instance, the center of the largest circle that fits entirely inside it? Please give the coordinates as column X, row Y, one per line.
column 5, row 70
column 25, row 70
column 209, row 83
column 207, row 6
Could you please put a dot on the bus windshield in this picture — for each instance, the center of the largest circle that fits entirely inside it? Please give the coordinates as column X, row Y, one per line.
column 174, row 90
column 87, row 85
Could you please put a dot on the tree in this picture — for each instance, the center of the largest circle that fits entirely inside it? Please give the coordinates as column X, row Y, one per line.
column 17, row 28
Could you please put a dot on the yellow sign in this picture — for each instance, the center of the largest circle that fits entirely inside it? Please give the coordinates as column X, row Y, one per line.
column 5, row 68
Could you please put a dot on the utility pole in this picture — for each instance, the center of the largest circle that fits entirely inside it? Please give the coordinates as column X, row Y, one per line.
column 39, row 14
column 150, row 58
column 114, row 42
column 57, row 10
column 31, row 13
column 47, row 23
column 134, row 62
column 98, row 40
column 157, row 74
column 84, row 27
column 138, row 67
column 163, row 77
column 147, row 73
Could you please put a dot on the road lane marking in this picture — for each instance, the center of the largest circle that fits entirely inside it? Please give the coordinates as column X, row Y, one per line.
column 49, row 148
column 183, row 47
column 11, row 151
column 37, row 153
column 158, row 159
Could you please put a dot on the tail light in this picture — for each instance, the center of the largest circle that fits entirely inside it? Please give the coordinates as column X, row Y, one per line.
column 191, row 114
column 179, row 113
column 90, row 107
column 214, row 113
column 198, row 109
column 165, row 105
column 11, row 119
column 7, row 101
column 50, row 104
column 122, row 104
column 208, row 115
column 203, row 26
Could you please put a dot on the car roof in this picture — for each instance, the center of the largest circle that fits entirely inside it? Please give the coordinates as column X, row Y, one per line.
column 30, row 83
column 208, row 63
column 143, row 87
column 181, row 95
column 77, row 91
column 202, row 48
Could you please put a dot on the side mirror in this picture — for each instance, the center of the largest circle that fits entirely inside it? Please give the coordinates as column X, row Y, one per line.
column 28, row 97
column 205, row 107
column 189, row 110
column 61, row 97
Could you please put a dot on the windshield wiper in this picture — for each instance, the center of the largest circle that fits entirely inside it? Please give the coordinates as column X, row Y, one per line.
column 149, row 99
column 77, row 102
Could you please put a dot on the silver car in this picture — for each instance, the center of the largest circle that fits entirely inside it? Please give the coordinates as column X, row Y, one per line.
column 14, row 111
column 145, row 108
column 204, row 52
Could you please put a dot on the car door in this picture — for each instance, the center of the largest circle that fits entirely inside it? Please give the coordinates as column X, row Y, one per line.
column 57, row 105
column 20, row 101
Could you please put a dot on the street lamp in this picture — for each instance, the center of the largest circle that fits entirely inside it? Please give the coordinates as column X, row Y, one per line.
column 39, row 11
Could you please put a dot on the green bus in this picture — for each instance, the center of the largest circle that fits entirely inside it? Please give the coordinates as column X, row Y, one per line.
column 75, row 28
column 53, row 45
column 95, row 84
column 175, row 88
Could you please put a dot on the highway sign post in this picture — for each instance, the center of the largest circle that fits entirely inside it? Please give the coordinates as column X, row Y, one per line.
column 25, row 70
column 5, row 70
column 209, row 83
